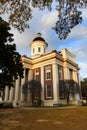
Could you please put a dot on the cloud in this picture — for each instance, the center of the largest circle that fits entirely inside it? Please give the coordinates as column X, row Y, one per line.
column 84, row 13
column 83, row 69
column 48, row 20
column 43, row 22
column 22, row 41
column 79, row 32
column 80, row 52
column 81, row 56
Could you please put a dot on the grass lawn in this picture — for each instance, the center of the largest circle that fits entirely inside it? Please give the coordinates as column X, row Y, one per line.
column 44, row 119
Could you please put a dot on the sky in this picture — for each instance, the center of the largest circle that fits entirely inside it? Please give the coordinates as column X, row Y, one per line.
column 42, row 22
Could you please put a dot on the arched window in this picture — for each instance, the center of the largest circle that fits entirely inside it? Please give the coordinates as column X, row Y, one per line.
column 33, row 50
column 44, row 50
column 39, row 49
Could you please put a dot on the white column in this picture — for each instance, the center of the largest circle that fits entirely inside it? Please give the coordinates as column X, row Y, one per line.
column 17, row 85
column 11, row 94
column 55, row 82
column 66, row 73
column 6, row 93
column 75, row 76
column 29, row 78
column 30, row 75
column 42, row 83
column 22, row 83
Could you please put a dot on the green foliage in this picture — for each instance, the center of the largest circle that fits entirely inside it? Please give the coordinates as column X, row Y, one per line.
column 6, row 105
column 69, row 16
column 20, row 11
column 33, row 87
column 41, row 4
column 84, row 87
column 71, row 88
column 10, row 59
column 39, row 102
column 84, row 104
column 84, row 81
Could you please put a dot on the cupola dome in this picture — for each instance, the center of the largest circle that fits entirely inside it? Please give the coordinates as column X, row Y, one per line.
column 38, row 46
column 39, row 37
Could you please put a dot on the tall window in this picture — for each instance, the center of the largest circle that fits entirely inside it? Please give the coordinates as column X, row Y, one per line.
column 77, row 77
column 48, row 82
column 48, row 91
column 36, row 93
column 60, row 72
column 33, row 50
column 37, row 74
column 61, row 83
column 48, row 72
column 1, row 93
column 39, row 49
column 71, row 74
column 26, row 73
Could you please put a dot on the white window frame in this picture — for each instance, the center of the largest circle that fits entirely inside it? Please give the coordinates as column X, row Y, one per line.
column 36, row 74
column 48, row 72
column 47, row 91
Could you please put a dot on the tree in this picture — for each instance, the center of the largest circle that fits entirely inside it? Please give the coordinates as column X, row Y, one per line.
column 20, row 11
column 69, row 16
column 34, row 88
column 84, row 88
column 10, row 59
column 71, row 88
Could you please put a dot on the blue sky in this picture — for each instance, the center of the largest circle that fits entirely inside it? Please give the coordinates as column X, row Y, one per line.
column 42, row 22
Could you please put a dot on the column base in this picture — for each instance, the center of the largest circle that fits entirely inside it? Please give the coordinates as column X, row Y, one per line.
column 18, row 104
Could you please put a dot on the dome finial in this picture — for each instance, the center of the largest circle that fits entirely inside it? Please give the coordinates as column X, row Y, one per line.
column 38, row 34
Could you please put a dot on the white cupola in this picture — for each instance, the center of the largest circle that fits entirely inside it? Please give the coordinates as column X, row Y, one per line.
column 38, row 46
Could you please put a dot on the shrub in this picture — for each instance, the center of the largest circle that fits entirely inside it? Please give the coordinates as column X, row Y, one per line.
column 1, row 105
column 6, row 105
column 84, row 104
column 39, row 102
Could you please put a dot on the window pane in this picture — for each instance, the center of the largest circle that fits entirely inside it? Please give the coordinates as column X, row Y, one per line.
column 61, row 89
column 39, row 49
column 36, row 77
column 48, row 72
column 71, row 74
column 48, row 91
column 37, row 70
column 48, row 68
column 48, row 75
column 37, row 74
column 61, row 83
column 60, row 73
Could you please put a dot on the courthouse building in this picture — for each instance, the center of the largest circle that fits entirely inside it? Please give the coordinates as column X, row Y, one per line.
column 49, row 68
